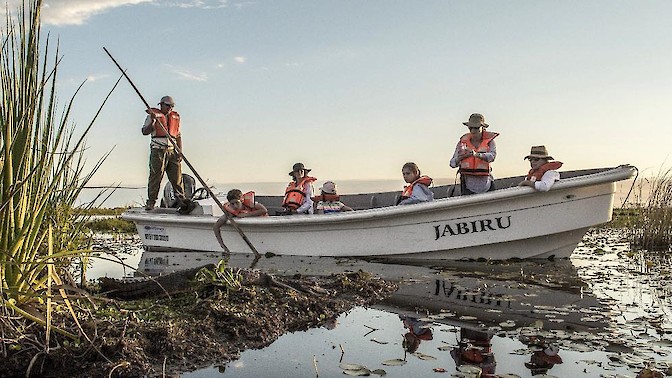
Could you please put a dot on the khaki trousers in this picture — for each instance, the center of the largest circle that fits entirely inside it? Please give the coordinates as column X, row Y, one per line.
column 160, row 161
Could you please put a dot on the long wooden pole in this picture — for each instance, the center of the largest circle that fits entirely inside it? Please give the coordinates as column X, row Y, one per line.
column 179, row 151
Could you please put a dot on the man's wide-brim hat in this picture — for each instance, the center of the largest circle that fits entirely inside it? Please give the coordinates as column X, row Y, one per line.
column 539, row 152
column 476, row 120
column 297, row 167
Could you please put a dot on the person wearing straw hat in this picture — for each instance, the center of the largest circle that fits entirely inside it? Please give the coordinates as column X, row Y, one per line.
column 543, row 173
column 162, row 157
column 473, row 155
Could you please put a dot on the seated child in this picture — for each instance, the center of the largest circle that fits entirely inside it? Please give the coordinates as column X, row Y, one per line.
column 418, row 189
column 243, row 205
column 239, row 205
column 328, row 201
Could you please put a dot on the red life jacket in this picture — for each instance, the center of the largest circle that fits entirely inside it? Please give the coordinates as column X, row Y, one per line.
column 248, row 205
column 408, row 190
column 326, row 197
column 473, row 165
column 294, row 194
column 539, row 172
column 172, row 125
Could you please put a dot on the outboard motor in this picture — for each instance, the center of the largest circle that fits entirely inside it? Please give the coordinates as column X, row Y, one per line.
column 169, row 199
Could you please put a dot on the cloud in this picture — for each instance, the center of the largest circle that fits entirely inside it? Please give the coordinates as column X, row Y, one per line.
column 77, row 12
column 94, row 77
column 239, row 59
column 200, row 4
column 186, row 74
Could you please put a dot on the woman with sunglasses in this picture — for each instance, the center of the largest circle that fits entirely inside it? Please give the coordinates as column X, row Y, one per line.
column 473, row 155
column 543, row 172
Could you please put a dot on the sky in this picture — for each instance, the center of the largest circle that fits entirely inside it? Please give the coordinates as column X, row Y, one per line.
column 354, row 89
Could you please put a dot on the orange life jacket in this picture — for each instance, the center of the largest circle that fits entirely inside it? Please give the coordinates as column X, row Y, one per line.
column 173, row 124
column 248, row 202
column 408, row 190
column 473, row 165
column 294, row 194
column 325, row 197
column 539, row 172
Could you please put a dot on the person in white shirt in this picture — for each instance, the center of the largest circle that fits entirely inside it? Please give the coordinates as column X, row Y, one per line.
column 543, row 173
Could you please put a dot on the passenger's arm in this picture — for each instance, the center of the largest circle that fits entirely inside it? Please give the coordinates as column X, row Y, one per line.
column 491, row 154
column 258, row 211
column 547, row 181
column 421, row 193
column 455, row 160
column 217, row 229
column 307, row 204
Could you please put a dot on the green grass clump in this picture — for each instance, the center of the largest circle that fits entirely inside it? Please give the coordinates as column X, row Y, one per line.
column 106, row 211
column 41, row 175
column 115, row 224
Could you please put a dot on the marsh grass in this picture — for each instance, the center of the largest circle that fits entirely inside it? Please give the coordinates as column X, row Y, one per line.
column 650, row 223
column 41, row 174
column 112, row 225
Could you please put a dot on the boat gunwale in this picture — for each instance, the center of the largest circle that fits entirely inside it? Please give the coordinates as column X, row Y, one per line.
column 609, row 175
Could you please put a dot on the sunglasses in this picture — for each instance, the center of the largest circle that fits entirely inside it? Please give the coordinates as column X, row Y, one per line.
column 535, row 159
column 168, row 105
column 474, row 128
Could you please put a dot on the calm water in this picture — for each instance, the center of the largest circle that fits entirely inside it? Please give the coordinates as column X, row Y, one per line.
column 606, row 312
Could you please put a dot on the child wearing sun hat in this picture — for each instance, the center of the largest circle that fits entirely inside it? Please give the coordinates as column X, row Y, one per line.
column 328, row 202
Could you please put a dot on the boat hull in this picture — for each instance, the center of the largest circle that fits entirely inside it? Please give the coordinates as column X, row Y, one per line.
column 516, row 222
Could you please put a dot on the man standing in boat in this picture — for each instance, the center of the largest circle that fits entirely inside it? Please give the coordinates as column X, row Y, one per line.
column 163, row 157
column 473, row 155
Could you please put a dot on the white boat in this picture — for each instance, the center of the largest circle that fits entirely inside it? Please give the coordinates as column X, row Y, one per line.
column 514, row 222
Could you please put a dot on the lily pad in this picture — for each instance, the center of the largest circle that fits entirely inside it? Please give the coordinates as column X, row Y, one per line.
column 423, row 356
column 394, row 362
column 469, row 369
column 357, row 373
column 344, row 366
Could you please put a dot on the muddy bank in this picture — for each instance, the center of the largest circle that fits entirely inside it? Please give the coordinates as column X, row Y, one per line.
column 206, row 324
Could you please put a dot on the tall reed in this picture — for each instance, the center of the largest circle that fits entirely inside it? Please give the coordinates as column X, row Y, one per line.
column 652, row 229
column 42, row 172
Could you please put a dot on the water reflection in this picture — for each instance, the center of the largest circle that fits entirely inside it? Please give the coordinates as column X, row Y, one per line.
column 604, row 313
column 475, row 349
column 418, row 330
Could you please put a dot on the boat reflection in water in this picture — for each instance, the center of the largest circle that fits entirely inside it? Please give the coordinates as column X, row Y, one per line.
column 507, row 317
column 542, row 305
column 161, row 263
